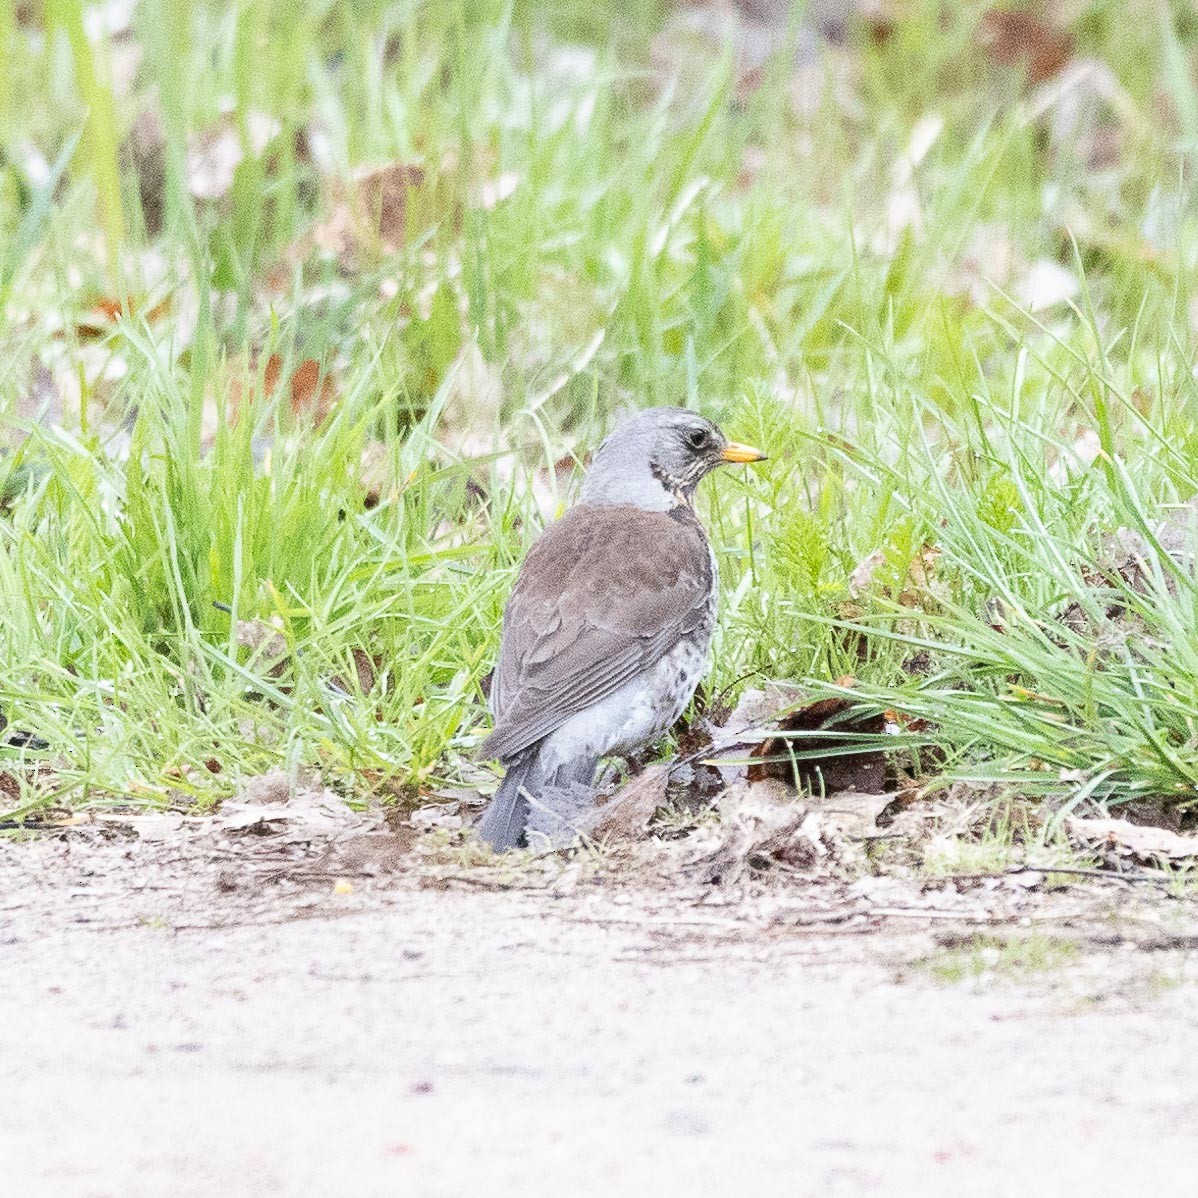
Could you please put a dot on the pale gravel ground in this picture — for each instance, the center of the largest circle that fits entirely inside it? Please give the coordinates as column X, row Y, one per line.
column 485, row 1042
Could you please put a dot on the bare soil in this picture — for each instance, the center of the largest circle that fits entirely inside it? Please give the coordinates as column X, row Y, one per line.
column 182, row 1015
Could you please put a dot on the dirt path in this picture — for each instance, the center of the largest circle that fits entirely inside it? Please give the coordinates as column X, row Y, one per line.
column 448, row 1042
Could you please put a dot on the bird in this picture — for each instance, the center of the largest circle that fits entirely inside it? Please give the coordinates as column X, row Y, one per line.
column 608, row 627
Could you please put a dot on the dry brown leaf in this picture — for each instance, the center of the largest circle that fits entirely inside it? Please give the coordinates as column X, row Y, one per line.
column 311, row 389
column 366, row 670
column 626, row 815
column 382, row 199
column 106, row 311
column 923, row 565
column 144, row 155
column 760, row 828
column 269, row 806
column 436, row 815
column 262, row 638
column 1129, row 560
column 384, row 208
column 911, row 590
column 721, row 731
column 862, row 577
column 1124, row 839
column 864, row 772
column 921, row 571
column 759, row 707
column 38, row 402
column 1023, row 39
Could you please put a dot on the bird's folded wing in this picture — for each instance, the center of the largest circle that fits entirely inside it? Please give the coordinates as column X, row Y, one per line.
column 603, row 595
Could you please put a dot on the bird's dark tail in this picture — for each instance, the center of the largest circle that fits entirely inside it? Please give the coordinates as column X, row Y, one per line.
column 503, row 823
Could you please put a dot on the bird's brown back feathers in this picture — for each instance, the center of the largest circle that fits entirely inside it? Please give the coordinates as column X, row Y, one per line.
column 602, row 596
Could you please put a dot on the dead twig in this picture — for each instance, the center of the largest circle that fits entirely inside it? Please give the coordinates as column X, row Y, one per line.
column 1159, row 878
column 932, row 913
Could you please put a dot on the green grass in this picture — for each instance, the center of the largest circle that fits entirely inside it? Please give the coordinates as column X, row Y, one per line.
column 980, row 957
column 673, row 237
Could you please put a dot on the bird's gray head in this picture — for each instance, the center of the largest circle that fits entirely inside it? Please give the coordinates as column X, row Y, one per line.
column 655, row 459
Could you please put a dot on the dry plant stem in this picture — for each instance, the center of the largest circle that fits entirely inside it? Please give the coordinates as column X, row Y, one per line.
column 1109, row 875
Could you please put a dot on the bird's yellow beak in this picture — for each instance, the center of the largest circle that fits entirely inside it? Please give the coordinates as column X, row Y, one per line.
column 734, row 451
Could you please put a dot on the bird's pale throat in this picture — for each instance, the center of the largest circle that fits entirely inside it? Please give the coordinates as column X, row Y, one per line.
column 680, row 486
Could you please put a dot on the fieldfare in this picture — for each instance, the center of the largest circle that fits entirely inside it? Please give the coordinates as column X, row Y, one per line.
column 608, row 628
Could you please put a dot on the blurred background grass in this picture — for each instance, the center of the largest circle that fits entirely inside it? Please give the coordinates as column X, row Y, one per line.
column 307, row 309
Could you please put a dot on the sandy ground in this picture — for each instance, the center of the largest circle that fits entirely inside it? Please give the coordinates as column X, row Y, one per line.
column 456, row 1039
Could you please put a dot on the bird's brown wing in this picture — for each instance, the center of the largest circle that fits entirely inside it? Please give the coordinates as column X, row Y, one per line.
column 603, row 594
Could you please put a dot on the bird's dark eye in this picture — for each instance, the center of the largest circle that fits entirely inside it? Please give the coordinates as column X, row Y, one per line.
column 696, row 438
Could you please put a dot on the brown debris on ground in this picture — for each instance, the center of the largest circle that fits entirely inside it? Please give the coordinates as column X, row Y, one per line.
column 262, row 856
column 761, row 827
column 838, row 770
column 1120, row 840
column 629, row 812
column 772, row 863
column 283, row 849
column 309, row 388
column 1027, row 42
column 1128, row 565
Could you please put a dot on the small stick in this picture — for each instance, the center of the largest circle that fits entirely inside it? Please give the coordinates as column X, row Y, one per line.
column 1109, row 875
column 931, row 913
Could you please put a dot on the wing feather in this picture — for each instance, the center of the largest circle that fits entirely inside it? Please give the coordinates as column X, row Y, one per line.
column 603, row 595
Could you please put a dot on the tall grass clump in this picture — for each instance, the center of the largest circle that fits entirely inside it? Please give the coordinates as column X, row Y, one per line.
column 306, row 312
